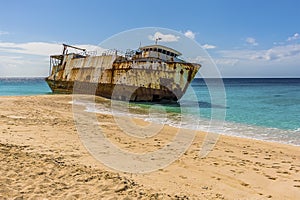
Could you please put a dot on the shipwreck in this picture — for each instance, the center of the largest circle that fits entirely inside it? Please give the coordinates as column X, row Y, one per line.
column 151, row 73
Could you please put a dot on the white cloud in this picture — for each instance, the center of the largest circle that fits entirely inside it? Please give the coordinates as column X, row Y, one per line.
column 40, row 48
column 281, row 61
column 4, row 33
column 277, row 53
column 32, row 48
column 11, row 61
column 190, row 34
column 24, row 65
column 218, row 61
column 296, row 36
column 238, row 54
column 226, row 61
column 32, row 58
column 164, row 37
column 208, row 46
column 198, row 59
column 251, row 41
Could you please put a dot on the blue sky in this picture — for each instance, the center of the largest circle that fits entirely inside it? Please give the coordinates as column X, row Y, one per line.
column 244, row 38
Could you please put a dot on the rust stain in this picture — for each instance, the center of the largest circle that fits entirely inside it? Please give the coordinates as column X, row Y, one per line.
column 152, row 73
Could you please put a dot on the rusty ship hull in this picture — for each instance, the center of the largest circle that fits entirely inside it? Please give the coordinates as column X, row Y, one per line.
column 138, row 77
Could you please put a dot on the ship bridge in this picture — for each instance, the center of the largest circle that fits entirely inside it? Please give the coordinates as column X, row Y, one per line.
column 158, row 51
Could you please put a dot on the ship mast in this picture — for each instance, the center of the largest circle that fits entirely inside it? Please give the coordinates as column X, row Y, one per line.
column 69, row 46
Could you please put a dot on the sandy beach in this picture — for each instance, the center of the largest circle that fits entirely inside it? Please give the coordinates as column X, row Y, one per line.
column 42, row 157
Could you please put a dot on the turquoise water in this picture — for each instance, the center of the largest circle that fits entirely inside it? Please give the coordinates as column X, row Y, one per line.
column 266, row 109
column 273, row 103
column 23, row 86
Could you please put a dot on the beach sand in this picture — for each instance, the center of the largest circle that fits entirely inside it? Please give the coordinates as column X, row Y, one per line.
column 42, row 157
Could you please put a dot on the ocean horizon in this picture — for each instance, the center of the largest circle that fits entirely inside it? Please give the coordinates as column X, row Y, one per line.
column 259, row 108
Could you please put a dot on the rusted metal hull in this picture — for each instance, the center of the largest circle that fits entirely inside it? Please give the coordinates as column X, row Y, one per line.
column 112, row 77
column 112, row 91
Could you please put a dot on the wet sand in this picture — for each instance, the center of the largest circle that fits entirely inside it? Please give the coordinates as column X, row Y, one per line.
column 42, row 156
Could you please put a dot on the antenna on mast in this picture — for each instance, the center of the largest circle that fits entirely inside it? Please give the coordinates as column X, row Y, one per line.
column 157, row 39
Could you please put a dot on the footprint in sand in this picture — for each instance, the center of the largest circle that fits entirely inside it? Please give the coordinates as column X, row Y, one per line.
column 255, row 169
column 275, row 167
column 272, row 178
column 284, row 172
column 244, row 184
column 183, row 177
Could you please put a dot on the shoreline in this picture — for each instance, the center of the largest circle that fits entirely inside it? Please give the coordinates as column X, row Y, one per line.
column 43, row 157
column 229, row 123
